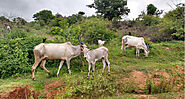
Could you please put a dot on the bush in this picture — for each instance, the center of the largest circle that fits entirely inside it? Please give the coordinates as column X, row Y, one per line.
column 41, row 22
column 13, row 56
column 149, row 20
column 173, row 23
column 16, row 55
column 94, row 29
column 56, row 30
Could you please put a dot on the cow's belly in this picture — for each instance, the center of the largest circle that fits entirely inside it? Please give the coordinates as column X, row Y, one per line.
column 55, row 54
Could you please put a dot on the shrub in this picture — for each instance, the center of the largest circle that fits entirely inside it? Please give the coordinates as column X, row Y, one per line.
column 149, row 20
column 94, row 29
column 41, row 22
column 16, row 53
column 13, row 56
column 173, row 24
column 56, row 30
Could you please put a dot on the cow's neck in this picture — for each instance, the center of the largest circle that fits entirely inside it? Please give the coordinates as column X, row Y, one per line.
column 77, row 50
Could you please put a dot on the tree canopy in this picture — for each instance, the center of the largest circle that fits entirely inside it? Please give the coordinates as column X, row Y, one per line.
column 152, row 10
column 110, row 8
column 44, row 15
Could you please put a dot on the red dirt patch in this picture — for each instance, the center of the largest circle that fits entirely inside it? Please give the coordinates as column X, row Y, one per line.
column 179, row 69
column 51, row 90
column 141, row 96
column 139, row 79
column 17, row 93
column 54, row 89
column 160, row 79
column 35, row 94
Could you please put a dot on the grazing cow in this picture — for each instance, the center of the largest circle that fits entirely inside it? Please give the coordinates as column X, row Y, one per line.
column 92, row 55
column 138, row 42
column 51, row 51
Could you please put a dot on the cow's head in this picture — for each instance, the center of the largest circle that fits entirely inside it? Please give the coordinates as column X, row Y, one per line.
column 81, row 44
column 100, row 42
column 147, row 50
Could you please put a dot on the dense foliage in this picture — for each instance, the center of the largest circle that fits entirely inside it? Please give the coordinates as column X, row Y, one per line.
column 151, row 9
column 110, row 8
column 16, row 52
column 94, row 29
column 45, row 15
column 157, row 29
column 173, row 23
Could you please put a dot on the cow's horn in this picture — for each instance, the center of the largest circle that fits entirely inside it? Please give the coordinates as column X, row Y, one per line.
column 80, row 41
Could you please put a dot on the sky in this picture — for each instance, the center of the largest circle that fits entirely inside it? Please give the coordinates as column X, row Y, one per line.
column 26, row 8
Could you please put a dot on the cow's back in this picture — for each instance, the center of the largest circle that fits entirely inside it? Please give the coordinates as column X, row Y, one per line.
column 54, row 51
column 133, row 41
column 101, row 52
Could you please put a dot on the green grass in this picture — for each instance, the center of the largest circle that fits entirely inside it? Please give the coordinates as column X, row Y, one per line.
column 103, row 86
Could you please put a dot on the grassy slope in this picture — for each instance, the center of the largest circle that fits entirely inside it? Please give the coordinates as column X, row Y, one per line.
column 162, row 56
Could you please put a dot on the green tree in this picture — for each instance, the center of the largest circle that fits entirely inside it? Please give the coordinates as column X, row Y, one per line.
column 81, row 13
column 151, row 9
column 45, row 15
column 173, row 22
column 110, row 8
column 4, row 19
column 19, row 21
column 58, row 15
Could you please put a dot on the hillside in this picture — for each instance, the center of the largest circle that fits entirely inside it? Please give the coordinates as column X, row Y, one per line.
column 160, row 75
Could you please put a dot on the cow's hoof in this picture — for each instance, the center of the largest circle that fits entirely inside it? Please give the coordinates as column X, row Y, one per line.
column 92, row 78
column 33, row 79
column 87, row 78
column 102, row 74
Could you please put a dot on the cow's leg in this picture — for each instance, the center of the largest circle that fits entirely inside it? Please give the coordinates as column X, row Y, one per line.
column 103, row 61
column 43, row 66
column 89, row 69
column 37, row 61
column 121, row 48
column 68, row 65
column 108, row 63
column 137, row 52
column 60, row 66
column 125, row 49
column 93, row 70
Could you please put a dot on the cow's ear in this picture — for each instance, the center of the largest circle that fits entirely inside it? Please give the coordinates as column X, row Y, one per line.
column 81, row 45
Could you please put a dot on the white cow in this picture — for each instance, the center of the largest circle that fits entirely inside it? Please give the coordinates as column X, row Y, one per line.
column 138, row 42
column 92, row 55
column 51, row 51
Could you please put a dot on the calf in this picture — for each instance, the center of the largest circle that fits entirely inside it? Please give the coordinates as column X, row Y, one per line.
column 92, row 55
